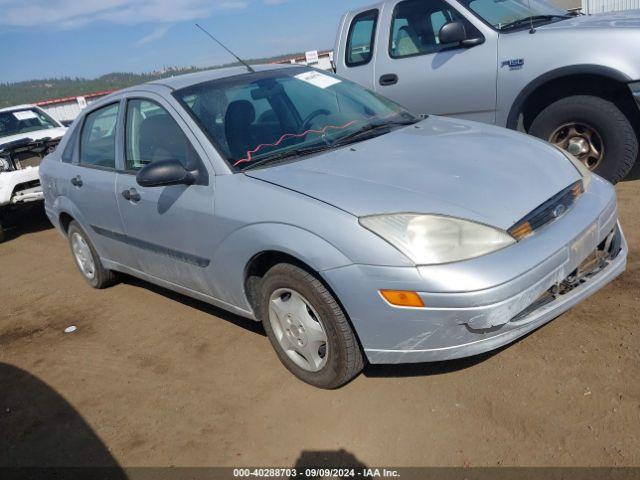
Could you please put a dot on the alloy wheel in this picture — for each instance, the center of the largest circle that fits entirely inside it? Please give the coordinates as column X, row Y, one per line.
column 83, row 255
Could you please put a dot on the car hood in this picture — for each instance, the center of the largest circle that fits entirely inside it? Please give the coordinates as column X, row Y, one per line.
column 442, row 166
column 35, row 135
column 627, row 19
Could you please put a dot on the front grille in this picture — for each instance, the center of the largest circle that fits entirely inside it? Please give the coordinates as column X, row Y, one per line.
column 549, row 211
column 591, row 266
column 27, row 186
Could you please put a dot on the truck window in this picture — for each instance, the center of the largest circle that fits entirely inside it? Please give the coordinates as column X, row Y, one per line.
column 361, row 38
column 416, row 25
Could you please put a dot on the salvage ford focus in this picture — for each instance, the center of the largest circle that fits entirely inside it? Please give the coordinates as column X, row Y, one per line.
column 351, row 229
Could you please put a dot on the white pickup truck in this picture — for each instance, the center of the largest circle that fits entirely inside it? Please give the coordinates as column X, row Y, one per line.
column 520, row 64
column 27, row 134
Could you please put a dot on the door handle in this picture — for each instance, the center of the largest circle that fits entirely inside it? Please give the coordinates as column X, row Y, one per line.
column 131, row 195
column 388, row 79
column 76, row 181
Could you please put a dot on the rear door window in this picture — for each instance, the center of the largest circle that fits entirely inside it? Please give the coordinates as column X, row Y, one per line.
column 98, row 139
column 360, row 41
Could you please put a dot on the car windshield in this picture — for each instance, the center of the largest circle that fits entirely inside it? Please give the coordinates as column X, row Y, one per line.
column 17, row 122
column 503, row 14
column 262, row 117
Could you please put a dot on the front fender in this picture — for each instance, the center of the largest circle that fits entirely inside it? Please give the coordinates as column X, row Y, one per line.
column 233, row 255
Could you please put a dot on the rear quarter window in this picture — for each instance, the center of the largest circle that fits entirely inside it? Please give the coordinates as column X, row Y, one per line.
column 70, row 147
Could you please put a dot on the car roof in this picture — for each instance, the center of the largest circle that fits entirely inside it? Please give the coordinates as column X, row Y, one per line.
column 183, row 81
column 17, row 107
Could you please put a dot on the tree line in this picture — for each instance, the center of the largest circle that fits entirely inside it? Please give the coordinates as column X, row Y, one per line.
column 32, row 91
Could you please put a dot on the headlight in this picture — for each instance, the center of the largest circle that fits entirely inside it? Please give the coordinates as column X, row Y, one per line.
column 581, row 167
column 433, row 239
column 5, row 166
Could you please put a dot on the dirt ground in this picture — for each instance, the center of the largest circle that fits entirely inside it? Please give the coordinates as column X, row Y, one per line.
column 151, row 378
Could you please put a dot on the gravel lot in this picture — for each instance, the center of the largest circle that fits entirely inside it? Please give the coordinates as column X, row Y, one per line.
column 151, row 378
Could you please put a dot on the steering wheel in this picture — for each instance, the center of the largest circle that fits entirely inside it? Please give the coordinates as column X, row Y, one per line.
column 312, row 115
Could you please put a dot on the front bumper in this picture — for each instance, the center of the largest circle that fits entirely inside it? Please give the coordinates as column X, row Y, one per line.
column 476, row 306
column 20, row 186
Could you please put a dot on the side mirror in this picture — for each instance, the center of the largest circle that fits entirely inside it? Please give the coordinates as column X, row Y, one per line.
column 165, row 173
column 454, row 32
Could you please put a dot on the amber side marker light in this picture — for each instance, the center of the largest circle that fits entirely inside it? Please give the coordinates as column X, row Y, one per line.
column 401, row 298
column 521, row 231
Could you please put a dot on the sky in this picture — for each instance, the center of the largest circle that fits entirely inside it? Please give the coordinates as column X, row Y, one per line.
column 88, row 38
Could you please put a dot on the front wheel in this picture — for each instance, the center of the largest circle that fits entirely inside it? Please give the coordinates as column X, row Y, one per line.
column 592, row 129
column 307, row 328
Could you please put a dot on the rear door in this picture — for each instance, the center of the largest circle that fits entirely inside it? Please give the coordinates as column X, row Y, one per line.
column 165, row 226
column 416, row 70
column 90, row 180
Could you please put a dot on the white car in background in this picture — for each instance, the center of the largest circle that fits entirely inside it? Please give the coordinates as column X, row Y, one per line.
column 27, row 134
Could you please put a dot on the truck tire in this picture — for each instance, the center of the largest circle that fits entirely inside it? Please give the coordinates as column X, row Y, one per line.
column 592, row 129
column 87, row 260
column 2, row 236
column 307, row 328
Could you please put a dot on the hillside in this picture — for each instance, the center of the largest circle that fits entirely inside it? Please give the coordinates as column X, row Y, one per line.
column 32, row 91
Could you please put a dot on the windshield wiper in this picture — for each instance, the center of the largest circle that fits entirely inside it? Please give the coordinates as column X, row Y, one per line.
column 533, row 18
column 367, row 131
column 287, row 154
column 371, row 130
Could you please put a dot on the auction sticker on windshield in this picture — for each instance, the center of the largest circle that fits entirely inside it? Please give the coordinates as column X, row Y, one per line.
column 318, row 79
column 24, row 115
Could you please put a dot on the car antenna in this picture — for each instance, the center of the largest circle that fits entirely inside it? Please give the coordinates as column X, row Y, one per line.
column 532, row 30
column 223, row 46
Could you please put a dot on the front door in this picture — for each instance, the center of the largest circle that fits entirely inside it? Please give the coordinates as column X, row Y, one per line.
column 427, row 77
column 165, row 226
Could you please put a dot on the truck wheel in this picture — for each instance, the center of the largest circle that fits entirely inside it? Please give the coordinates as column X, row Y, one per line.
column 592, row 129
column 307, row 328
column 87, row 259
column 2, row 236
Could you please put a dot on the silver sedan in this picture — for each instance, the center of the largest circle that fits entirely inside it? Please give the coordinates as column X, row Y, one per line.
column 353, row 230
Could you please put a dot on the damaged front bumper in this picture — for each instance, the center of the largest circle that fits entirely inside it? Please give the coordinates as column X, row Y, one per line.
column 479, row 305
column 19, row 175
column 20, row 186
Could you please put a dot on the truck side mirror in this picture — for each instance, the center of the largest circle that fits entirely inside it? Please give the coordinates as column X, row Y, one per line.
column 454, row 32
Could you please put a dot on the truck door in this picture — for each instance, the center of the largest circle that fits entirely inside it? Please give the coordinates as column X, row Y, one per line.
column 416, row 70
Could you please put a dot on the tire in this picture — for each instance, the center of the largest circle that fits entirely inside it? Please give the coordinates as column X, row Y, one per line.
column 343, row 359
column 2, row 234
column 620, row 142
column 100, row 277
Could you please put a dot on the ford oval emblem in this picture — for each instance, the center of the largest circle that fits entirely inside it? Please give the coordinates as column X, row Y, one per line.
column 559, row 210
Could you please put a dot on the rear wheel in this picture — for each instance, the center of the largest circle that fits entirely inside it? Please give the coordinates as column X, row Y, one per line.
column 2, row 235
column 307, row 328
column 87, row 259
column 592, row 129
